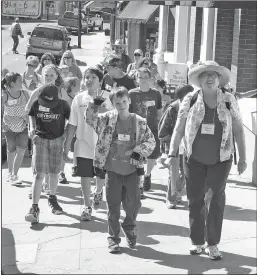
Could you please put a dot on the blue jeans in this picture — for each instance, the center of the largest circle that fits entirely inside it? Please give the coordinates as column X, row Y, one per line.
column 205, row 186
column 15, row 43
column 125, row 190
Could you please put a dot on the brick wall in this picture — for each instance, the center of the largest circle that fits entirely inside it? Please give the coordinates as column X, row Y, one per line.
column 224, row 37
column 171, row 32
column 244, row 56
column 195, row 34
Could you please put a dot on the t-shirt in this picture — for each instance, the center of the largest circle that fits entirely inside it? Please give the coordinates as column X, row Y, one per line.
column 126, row 81
column 123, row 140
column 85, row 134
column 146, row 104
column 50, row 122
column 76, row 72
column 206, row 148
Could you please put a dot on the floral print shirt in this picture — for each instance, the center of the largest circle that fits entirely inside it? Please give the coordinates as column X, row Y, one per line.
column 195, row 115
column 104, row 125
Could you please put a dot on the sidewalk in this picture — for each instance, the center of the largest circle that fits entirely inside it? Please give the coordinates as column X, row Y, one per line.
column 65, row 245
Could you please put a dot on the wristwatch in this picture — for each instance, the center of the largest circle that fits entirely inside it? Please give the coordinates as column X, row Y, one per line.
column 171, row 156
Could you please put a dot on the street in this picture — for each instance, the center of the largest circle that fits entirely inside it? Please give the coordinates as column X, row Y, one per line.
column 65, row 245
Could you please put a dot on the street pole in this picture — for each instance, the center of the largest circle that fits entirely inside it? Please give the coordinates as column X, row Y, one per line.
column 113, row 22
column 79, row 26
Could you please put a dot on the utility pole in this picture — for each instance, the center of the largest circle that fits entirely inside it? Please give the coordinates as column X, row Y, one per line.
column 113, row 22
column 79, row 25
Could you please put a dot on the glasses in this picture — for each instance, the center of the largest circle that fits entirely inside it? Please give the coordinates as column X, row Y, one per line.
column 67, row 57
column 31, row 66
column 137, row 54
column 49, row 59
column 207, row 74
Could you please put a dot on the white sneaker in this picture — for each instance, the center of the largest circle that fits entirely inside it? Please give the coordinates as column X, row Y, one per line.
column 9, row 177
column 196, row 249
column 45, row 188
column 15, row 180
column 214, row 253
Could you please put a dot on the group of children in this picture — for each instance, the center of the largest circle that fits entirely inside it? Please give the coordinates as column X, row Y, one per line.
column 116, row 132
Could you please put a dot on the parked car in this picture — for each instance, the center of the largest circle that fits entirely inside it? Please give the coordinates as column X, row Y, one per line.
column 48, row 38
column 70, row 21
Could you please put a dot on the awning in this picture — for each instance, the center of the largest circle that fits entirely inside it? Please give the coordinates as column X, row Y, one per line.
column 210, row 4
column 138, row 11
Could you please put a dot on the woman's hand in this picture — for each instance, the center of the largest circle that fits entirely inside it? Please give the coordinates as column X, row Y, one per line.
column 241, row 166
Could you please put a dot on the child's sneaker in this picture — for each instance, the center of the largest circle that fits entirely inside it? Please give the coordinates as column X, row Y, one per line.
column 214, row 253
column 86, row 214
column 33, row 215
column 9, row 177
column 131, row 237
column 97, row 200
column 62, row 178
column 54, row 205
column 196, row 249
column 113, row 246
column 15, row 180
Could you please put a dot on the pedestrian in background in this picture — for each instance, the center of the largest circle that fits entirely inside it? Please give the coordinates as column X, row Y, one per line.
column 123, row 140
column 15, row 123
column 133, row 67
column 208, row 118
column 176, row 181
column 46, row 59
column 30, row 79
column 69, row 60
column 15, row 33
column 65, row 71
column 147, row 103
column 48, row 116
column 119, row 50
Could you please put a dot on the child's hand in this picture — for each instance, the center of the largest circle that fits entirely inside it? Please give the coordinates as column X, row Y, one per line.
column 128, row 153
column 31, row 133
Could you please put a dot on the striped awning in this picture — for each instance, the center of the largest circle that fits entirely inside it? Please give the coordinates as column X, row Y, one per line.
column 210, row 4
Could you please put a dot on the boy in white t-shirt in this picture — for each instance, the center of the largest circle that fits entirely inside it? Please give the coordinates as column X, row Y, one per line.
column 86, row 138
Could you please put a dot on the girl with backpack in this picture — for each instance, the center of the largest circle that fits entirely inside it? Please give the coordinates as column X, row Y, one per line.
column 15, row 123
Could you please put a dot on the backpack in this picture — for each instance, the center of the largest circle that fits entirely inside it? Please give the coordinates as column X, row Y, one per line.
column 192, row 102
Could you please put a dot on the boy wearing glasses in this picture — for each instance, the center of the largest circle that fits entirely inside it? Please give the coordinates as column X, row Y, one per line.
column 147, row 103
column 116, row 77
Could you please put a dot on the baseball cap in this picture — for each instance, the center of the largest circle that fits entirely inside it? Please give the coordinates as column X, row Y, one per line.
column 48, row 96
column 138, row 51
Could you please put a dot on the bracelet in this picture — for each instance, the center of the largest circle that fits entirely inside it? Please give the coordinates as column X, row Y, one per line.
column 171, row 156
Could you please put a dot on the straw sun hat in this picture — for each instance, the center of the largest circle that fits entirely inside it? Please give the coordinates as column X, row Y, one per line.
column 209, row 65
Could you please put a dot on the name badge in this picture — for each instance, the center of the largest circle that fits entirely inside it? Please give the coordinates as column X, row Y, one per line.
column 207, row 129
column 43, row 109
column 150, row 103
column 122, row 137
column 12, row 102
column 108, row 87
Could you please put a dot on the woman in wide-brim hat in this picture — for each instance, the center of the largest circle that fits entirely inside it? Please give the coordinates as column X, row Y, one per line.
column 119, row 49
column 208, row 118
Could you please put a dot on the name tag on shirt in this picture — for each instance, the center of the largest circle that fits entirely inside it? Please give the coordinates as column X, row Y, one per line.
column 44, row 109
column 122, row 137
column 150, row 103
column 12, row 102
column 108, row 87
column 208, row 129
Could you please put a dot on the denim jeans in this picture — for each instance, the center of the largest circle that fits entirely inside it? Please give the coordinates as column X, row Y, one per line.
column 125, row 190
column 176, row 181
column 15, row 43
column 205, row 186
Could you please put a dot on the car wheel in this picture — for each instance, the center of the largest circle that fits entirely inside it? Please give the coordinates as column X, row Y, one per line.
column 4, row 152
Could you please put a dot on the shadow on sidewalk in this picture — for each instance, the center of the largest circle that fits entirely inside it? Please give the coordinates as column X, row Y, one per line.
column 195, row 264
column 235, row 213
column 8, row 264
column 242, row 183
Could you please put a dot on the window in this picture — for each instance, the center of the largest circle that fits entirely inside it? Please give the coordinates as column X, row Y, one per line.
column 48, row 34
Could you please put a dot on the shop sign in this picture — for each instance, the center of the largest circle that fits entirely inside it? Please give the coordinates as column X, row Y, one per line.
column 176, row 74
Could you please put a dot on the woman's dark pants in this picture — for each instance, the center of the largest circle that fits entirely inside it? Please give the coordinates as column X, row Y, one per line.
column 205, row 185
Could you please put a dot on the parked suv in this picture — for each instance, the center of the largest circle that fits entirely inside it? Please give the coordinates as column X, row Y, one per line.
column 47, row 38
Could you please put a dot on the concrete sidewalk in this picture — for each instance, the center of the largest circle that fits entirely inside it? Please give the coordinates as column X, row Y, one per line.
column 65, row 245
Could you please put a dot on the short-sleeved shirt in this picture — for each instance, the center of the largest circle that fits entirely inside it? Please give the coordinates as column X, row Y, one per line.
column 76, row 72
column 50, row 122
column 206, row 148
column 146, row 105
column 85, row 134
column 126, row 81
column 124, row 139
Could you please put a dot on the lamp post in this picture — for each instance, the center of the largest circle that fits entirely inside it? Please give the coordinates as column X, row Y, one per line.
column 79, row 25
